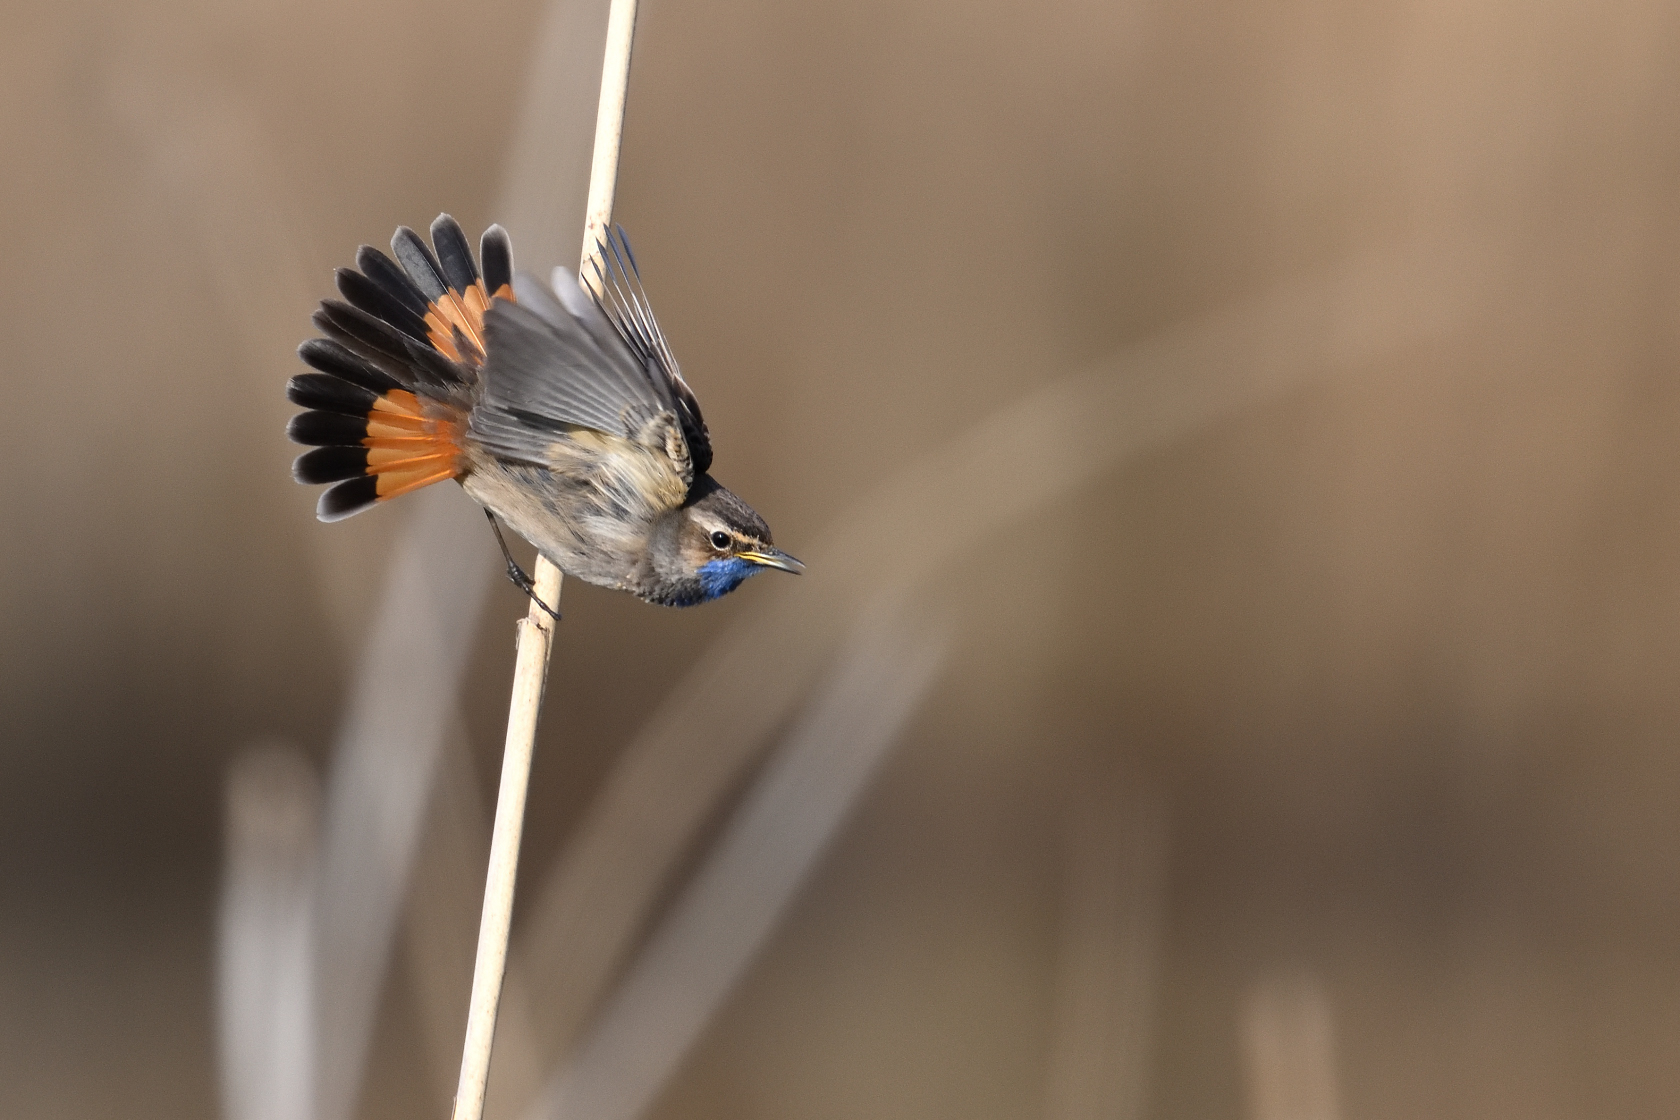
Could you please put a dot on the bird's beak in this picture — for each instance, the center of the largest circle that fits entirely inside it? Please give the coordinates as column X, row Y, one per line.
column 773, row 558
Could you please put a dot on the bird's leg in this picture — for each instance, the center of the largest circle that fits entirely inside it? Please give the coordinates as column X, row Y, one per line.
column 516, row 573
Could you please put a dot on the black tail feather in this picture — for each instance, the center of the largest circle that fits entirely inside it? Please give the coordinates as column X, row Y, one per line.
column 330, row 464
column 413, row 364
column 454, row 254
column 318, row 390
column 333, row 358
column 385, row 272
column 347, row 498
column 417, row 260
column 327, row 429
column 369, row 296
column 361, row 333
column 496, row 255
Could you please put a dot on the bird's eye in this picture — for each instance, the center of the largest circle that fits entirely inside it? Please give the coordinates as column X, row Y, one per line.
column 720, row 540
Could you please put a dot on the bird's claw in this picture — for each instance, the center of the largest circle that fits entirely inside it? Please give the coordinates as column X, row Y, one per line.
column 516, row 574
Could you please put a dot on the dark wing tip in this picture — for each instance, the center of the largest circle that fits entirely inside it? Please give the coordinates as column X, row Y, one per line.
column 624, row 240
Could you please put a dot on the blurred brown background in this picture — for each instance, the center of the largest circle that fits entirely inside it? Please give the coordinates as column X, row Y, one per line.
column 1314, row 759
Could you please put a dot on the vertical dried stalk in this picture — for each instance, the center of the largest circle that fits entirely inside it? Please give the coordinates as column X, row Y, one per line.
column 536, row 635
column 1105, row 969
column 265, row 967
column 1289, row 1049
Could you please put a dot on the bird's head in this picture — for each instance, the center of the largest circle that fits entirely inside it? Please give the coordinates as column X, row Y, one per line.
column 718, row 541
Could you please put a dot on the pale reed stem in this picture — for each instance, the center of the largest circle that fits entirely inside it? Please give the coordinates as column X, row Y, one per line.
column 536, row 636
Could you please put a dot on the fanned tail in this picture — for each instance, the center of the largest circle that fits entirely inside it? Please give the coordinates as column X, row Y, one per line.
column 396, row 373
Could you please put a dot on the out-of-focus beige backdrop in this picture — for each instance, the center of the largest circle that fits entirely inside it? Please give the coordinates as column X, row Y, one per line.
column 1315, row 759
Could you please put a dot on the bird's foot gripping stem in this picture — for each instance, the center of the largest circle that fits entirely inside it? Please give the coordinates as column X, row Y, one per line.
column 515, row 573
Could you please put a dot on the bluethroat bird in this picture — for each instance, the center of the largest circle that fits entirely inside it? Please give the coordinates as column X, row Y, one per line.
column 559, row 410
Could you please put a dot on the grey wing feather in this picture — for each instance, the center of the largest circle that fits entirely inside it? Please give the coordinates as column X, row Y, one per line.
column 625, row 303
column 554, row 361
column 564, row 303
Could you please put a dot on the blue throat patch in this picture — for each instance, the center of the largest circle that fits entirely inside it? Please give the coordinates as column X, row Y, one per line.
column 720, row 577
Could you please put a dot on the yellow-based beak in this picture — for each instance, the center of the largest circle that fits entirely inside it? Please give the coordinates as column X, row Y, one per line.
column 773, row 558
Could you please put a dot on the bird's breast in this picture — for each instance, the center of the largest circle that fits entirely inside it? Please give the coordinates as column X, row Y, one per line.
column 590, row 524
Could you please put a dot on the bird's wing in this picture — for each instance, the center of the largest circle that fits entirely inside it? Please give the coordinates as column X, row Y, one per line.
column 554, row 364
column 626, row 305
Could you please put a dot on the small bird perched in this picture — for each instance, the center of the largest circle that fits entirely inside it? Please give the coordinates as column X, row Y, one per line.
column 559, row 410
